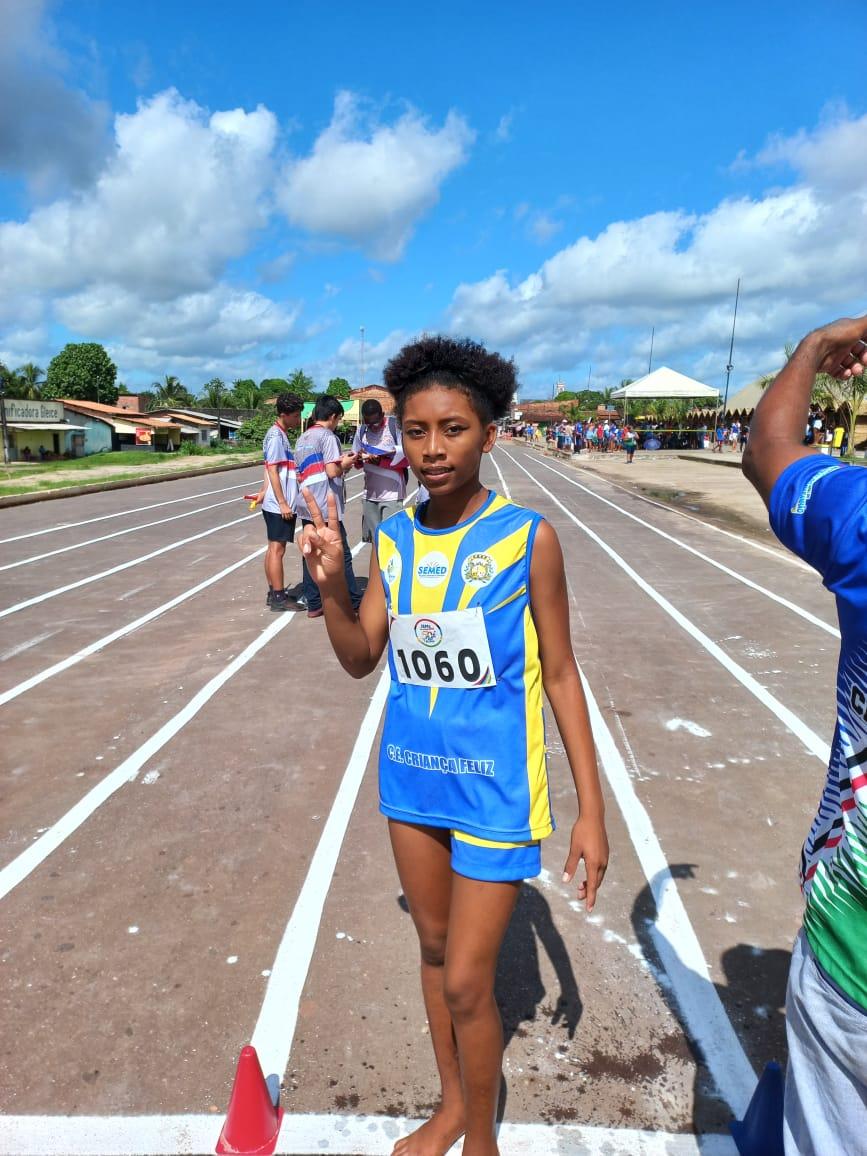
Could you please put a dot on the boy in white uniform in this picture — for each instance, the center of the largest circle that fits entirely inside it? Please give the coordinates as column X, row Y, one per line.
column 379, row 452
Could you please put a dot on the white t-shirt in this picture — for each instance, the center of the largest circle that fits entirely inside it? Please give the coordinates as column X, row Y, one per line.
column 383, row 482
column 315, row 449
column 277, row 451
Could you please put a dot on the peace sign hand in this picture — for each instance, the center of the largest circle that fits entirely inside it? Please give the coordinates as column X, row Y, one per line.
column 321, row 545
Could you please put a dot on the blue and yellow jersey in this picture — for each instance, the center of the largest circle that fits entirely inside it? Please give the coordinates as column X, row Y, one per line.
column 470, row 760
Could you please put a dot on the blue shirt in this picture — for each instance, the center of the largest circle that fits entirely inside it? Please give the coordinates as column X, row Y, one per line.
column 819, row 510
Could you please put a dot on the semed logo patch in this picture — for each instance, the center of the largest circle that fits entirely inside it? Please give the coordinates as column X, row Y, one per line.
column 478, row 569
column 432, row 569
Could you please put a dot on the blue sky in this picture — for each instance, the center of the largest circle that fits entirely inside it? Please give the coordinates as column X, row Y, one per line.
column 219, row 190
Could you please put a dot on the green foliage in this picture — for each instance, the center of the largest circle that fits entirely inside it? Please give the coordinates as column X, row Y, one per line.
column 25, row 382
column 122, row 390
column 191, row 448
column 83, row 371
column 214, row 393
column 567, row 395
column 246, row 395
column 146, row 400
column 590, row 398
column 254, row 429
column 339, row 387
column 301, row 383
column 171, row 394
column 271, row 386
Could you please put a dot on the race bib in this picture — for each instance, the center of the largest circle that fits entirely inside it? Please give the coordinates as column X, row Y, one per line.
column 448, row 649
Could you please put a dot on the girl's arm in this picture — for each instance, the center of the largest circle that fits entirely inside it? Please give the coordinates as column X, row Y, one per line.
column 549, row 604
column 358, row 639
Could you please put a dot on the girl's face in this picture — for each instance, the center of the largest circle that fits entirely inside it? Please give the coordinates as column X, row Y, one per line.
column 444, row 438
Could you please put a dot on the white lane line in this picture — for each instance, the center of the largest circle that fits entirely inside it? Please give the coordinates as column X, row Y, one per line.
column 673, row 934
column 278, row 1018
column 22, row 865
column 814, row 744
column 311, row 1135
column 116, row 534
column 503, row 481
column 128, row 513
column 780, row 555
column 121, row 566
column 123, row 513
column 122, row 632
column 22, row 646
column 799, row 610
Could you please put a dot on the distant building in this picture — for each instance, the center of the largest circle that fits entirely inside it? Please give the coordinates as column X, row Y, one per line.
column 110, row 427
column 130, row 402
column 559, row 387
column 32, row 426
column 378, row 393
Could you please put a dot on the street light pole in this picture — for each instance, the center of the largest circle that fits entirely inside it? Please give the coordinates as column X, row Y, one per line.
column 730, row 366
column 362, row 357
column 3, row 419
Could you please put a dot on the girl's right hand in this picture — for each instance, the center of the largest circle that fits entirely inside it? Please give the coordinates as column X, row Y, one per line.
column 321, row 545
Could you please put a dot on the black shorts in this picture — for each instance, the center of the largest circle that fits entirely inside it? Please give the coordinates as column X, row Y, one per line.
column 280, row 529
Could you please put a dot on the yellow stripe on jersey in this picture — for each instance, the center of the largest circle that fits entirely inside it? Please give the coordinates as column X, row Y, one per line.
column 541, row 820
column 506, row 552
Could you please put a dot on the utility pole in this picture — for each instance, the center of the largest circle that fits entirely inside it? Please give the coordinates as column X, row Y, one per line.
column 3, row 416
column 730, row 366
column 362, row 357
column 650, row 359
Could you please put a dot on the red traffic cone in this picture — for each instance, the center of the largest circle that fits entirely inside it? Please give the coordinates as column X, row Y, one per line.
column 760, row 1133
column 252, row 1121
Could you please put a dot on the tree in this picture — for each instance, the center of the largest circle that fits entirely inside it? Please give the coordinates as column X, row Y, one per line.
column 122, row 390
column 171, row 394
column 301, row 383
column 245, row 394
column 146, row 400
column 339, row 387
column 567, row 395
column 214, row 393
column 83, row 371
column 26, row 381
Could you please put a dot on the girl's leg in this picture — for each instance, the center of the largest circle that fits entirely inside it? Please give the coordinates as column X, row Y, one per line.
column 423, row 858
column 480, row 914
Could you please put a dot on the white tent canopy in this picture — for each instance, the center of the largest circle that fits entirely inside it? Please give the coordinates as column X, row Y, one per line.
column 665, row 382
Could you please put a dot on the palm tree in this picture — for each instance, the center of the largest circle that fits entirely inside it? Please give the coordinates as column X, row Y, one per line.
column 245, row 394
column 27, row 378
column 214, row 393
column 170, row 393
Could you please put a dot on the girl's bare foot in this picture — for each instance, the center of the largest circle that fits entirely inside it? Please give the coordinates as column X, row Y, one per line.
column 435, row 1137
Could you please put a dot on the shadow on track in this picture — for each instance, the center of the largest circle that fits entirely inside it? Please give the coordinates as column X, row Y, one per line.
column 753, row 996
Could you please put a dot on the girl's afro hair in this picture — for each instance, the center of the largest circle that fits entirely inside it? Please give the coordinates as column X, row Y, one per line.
column 487, row 378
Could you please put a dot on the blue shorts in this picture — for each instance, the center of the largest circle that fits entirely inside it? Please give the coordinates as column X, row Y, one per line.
column 495, row 862
column 279, row 529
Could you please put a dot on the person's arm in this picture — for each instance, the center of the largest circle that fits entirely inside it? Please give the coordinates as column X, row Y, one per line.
column 549, row 603
column 777, row 428
column 274, row 478
column 336, row 462
column 358, row 639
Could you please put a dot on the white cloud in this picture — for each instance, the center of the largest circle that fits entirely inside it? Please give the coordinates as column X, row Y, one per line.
column 798, row 251
column 182, row 193
column 370, row 183
column 503, row 131
column 543, row 227
column 51, row 133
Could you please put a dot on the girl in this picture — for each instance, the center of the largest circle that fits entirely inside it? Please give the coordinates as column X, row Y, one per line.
column 469, row 593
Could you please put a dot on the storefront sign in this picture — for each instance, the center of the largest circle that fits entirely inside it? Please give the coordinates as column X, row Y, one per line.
column 143, row 436
column 33, row 410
